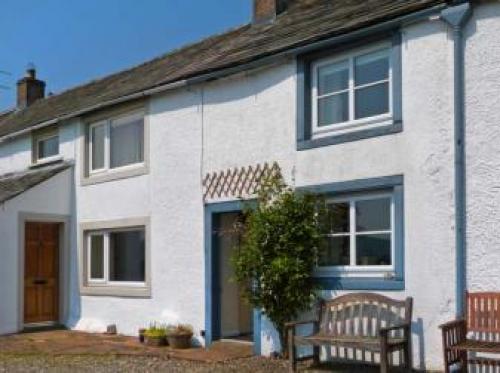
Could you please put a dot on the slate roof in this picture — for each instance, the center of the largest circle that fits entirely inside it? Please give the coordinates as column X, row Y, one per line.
column 304, row 22
column 14, row 184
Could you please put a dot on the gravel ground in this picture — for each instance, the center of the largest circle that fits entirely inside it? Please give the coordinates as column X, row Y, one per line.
column 101, row 364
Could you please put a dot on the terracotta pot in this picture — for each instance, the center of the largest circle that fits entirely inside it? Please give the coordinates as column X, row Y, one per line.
column 156, row 341
column 180, row 341
column 141, row 335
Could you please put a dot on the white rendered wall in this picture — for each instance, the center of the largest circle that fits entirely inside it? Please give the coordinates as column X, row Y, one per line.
column 52, row 197
column 171, row 196
column 483, row 148
column 251, row 119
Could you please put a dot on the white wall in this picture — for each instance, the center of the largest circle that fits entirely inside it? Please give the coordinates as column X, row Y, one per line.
column 482, row 148
column 57, row 193
column 171, row 196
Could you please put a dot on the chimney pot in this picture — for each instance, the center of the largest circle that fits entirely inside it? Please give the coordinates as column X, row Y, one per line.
column 268, row 10
column 29, row 88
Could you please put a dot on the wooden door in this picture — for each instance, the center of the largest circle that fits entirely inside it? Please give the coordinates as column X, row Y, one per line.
column 41, row 273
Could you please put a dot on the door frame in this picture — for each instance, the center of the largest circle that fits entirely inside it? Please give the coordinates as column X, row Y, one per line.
column 212, row 298
column 64, row 261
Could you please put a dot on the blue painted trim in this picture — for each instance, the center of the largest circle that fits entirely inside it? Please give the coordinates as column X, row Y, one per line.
column 395, row 184
column 304, row 125
column 257, row 319
column 456, row 17
column 212, row 299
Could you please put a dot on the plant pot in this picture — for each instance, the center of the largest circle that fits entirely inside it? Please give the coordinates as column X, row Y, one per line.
column 156, row 341
column 141, row 335
column 179, row 341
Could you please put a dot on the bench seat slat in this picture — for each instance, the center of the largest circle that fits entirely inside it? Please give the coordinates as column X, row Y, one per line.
column 477, row 346
column 347, row 341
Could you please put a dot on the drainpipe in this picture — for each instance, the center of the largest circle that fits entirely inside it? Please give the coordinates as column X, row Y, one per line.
column 456, row 17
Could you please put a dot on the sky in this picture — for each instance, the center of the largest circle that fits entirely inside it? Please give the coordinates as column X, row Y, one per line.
column 71, row 42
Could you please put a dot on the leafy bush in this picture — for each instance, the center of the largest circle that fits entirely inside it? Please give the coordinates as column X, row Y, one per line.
column 279, row 251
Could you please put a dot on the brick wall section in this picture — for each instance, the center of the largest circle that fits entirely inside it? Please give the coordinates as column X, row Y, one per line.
column 266, row 10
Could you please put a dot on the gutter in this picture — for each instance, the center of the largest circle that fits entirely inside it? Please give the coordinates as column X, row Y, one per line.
column 231, row 70
column 456, row 17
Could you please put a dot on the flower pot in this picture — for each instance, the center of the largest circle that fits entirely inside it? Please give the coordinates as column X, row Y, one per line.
column 180, row 341
column 141, row 335
column 156, row 341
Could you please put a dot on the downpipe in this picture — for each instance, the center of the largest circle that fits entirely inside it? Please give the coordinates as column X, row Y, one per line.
column 456, row 17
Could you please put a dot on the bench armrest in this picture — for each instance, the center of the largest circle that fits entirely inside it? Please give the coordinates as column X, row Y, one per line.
column 293, row 324
column 385, row 331
column 453, row 332
column 459, row 323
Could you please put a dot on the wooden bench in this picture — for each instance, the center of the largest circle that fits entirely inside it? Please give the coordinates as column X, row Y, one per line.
column 358, row 321
column 479, row 332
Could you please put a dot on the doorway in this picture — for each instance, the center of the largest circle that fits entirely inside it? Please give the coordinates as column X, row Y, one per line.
column 41, row 273
column 235, row 314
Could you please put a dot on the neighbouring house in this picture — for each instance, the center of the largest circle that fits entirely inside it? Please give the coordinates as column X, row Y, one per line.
column 118, row 198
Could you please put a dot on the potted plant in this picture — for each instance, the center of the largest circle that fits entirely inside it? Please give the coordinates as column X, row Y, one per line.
column 156, row 335
column 141, row 334
column 179, row 336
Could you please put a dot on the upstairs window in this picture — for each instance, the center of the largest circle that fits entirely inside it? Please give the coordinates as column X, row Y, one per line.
column 358, row 235
column 116, row 144
column 45, row 145
column 348, row 93
column 351, row 90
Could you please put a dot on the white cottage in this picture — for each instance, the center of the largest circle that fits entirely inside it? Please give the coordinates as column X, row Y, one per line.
column 117, row 197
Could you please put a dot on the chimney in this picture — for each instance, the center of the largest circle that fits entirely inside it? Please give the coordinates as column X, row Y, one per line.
column 29, row 88
column 268, row 10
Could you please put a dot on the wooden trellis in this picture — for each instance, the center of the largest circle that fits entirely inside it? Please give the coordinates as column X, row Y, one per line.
column 237, row 182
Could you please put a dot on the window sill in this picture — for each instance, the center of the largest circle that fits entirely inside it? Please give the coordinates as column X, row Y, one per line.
column 360, row 283
column 333, row 138
column 47, row 161
column 115, row 175
column 117, row 291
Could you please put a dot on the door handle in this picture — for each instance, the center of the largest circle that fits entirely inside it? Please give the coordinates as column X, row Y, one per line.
column 39, row 281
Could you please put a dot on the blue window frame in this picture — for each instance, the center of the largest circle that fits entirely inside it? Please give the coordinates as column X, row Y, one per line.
column 365, row 251
column 349, row 93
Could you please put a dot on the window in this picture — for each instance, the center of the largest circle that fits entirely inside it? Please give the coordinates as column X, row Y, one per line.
column 117, row 257
column 116, row 144
column 349, row 93
column 45, row 145
column 352, row 90
column 359, row 235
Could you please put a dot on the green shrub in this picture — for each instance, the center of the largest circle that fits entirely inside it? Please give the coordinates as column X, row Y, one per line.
column 156, row 331
column 278, row 253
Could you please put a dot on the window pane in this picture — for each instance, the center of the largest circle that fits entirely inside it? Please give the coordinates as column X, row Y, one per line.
column 373, row 215
column 371, row 68
column 333, row 78
column 372, row 100
column 127, row 256
column 98, row 135
column 338, row 214
column 48, row 147
column 335, row 251
column 127, row 143
column 373, row 249
column 97, row 257
column 333, row 109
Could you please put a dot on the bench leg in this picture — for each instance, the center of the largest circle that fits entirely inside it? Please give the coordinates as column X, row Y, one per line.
column 408, row 358
column 292, row 352
column 316, row 355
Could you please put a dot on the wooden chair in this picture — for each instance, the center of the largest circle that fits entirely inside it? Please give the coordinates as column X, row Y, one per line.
column 479, row 332
column 366, row 321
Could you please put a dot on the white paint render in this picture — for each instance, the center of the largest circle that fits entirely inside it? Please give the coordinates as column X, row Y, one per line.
column 249, row 119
